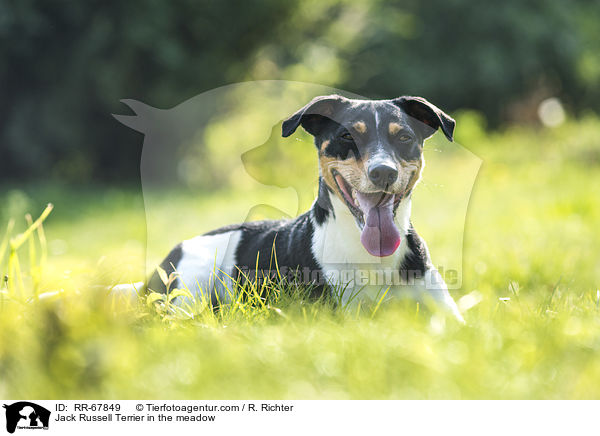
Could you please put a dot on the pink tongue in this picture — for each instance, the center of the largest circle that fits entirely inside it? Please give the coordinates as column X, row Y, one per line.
column 380, row 236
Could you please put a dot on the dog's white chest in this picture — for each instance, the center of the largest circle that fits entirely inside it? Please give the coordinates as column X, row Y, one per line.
column 351, row 271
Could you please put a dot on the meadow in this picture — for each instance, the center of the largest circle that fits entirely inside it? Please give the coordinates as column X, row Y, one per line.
column 530, row 295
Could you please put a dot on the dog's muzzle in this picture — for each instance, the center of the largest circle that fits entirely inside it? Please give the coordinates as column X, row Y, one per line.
column 374, row 214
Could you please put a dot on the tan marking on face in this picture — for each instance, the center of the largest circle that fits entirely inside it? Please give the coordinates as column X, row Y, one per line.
column 324, row 145
column 349, row 169
column 394, row 128
column 415, row 168
column 325, row 164
column 360, row 126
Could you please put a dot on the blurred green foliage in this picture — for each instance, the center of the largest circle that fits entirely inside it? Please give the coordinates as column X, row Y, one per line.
column 65, row 65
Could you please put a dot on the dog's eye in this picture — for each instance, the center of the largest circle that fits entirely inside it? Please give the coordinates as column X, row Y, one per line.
column 404, row 138
column 347, row 137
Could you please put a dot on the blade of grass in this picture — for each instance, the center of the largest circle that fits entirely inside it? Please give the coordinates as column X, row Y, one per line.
column 33, row 267
column 15, row 276
column 379, row 302
column 18, row 240
column 43, row 248
column 4, row 244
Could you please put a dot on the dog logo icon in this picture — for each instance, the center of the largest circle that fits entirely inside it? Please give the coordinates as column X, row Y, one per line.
column 26, row 415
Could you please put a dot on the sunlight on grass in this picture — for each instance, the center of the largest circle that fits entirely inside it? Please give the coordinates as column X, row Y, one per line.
column 530, row 298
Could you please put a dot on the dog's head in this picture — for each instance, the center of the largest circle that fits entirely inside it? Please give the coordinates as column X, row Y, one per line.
column 371, row 156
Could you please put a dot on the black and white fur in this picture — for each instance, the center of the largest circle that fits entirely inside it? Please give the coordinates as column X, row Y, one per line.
column 326, row 240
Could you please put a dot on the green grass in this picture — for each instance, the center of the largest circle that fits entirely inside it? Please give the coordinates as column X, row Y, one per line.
column 531, row 274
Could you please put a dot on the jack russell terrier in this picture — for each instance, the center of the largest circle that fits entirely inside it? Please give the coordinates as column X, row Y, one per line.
column 357, row 240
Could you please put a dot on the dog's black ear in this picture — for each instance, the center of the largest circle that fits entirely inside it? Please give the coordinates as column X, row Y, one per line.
column 428, row 114
column 314, row 115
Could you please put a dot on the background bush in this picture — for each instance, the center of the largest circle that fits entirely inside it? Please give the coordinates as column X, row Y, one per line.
column 65, row 65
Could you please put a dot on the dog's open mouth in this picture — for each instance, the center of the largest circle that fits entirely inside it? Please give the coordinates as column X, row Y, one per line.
column 374, row 213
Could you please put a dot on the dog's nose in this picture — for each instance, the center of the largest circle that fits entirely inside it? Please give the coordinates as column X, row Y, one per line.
column 383, row 174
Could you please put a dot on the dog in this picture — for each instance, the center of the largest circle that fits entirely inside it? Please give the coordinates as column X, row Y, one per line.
column 357, row 240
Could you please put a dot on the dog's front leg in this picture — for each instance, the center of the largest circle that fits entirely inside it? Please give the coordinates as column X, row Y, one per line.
column 433, row 287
